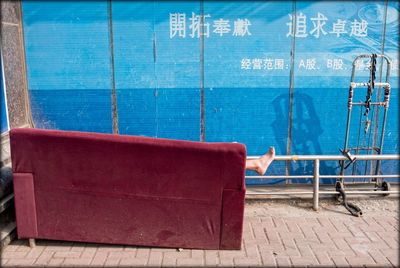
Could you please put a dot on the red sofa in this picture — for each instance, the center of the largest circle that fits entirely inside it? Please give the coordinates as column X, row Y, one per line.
column 128, row 190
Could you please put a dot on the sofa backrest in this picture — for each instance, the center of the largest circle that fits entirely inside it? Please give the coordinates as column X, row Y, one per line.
column 85, row 182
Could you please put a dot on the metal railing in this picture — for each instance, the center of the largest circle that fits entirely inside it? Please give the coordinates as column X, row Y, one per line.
column 317, row 176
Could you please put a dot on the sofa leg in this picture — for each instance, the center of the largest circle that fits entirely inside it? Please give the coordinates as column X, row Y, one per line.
column 32, row 242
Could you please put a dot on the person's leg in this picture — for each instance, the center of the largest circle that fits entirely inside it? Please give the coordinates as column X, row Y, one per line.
column 260, row 165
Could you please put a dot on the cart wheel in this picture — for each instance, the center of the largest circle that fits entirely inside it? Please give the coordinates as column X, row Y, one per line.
column 385, row 187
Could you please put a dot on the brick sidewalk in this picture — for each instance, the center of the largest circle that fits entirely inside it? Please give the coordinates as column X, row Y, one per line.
column 285, row 233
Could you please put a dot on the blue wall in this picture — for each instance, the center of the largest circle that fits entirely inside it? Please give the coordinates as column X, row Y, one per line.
column 68, row 64
column 4, row 117
column 247, row 77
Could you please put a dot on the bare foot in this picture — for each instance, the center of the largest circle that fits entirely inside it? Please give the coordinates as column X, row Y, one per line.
column 264, row 161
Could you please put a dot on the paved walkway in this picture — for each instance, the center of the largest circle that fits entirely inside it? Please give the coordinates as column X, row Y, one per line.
column 276, row 233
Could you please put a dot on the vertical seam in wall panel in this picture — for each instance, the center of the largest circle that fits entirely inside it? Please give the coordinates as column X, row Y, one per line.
column 378, row 95
column 291, row 88
column 156, row 87
column 202, row 110
column 27, row 101
column 114, row 110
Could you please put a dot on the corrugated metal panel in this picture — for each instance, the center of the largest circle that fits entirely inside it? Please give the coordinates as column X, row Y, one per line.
column 261, row 73
column 68, row 62
column 157, row 77
column 322, row 75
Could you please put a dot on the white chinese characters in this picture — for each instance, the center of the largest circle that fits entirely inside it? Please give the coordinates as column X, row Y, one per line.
column 177, row 25
column 318, row 23
column 309, row 65
column 297, row 26
column 221, row 27
column 241, row 27
column 199, row 26
column 334, row 64
column 359, row 28
column 202, row 25
column 339, row 27
column 263, row 64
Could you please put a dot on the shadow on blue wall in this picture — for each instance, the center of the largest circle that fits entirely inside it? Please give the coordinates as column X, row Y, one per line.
column 306, row 124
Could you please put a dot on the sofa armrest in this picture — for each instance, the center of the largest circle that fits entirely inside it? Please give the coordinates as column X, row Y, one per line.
column 232, row 218
column 25, row 205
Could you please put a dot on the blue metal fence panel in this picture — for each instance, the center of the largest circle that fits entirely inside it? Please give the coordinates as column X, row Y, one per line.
column 246, row 75
column 157, row 77
column 238, row 55
column 68, row 64
column 133, row 29
column 328, row 38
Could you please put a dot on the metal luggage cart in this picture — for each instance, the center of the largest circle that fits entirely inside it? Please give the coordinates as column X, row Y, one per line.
column 371, row 128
